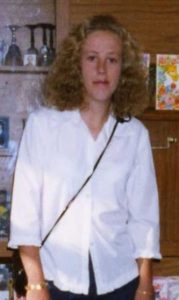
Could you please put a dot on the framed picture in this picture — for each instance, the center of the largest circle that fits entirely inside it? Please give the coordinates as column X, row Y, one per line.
column 167, row 82
column 4, row 214
column 30, row 60
column 4, row 132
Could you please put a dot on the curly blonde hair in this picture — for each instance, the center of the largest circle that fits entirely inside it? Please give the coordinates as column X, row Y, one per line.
column 63, row 88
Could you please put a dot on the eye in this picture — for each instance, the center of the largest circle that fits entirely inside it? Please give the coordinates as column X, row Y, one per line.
column 113, row 60
column 91, row 57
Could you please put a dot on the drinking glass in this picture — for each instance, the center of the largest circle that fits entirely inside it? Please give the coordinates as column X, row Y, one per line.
column 13, row 56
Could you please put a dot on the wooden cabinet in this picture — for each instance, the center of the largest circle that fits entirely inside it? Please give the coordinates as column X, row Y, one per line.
column 164, row 132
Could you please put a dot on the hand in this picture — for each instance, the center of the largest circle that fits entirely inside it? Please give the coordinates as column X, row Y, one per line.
column 38, row 295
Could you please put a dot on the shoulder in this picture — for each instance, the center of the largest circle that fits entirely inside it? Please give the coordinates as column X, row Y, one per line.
column 135, row 133
column 133, row 127
column 137, row 126
column 44, row 114
column 47, row 118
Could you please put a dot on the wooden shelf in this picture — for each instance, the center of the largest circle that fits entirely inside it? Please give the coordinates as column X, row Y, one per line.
column 168, row 266
column 159, row 115
column 4, row 252
column 23, row 69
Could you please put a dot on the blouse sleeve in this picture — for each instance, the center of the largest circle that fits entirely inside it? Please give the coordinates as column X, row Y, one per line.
column 143, row 223
column 25, row 211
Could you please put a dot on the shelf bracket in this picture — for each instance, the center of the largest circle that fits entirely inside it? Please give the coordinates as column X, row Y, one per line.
column 170, row 140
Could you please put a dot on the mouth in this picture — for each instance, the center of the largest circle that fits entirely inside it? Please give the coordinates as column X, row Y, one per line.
column 102, row 82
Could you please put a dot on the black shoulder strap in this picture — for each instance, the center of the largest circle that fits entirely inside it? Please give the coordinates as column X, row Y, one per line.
column 83, row 185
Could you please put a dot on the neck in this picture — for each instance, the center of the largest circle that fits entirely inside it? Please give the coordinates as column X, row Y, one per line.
column 95, row 116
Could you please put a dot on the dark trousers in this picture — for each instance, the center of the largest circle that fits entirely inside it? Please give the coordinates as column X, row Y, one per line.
column 126, row 292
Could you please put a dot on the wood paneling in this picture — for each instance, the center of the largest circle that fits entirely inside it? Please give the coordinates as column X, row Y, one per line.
column 161, row 125
column 167, row 171
column 155, row 23
column 168, row 266
column 4, row 252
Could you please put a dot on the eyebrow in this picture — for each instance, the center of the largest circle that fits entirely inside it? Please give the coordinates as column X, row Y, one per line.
column 96, row 52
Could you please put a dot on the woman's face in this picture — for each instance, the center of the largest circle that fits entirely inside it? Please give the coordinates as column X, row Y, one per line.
column 101, row 65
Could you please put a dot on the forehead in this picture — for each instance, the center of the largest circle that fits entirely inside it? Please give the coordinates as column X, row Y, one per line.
column 102, row 40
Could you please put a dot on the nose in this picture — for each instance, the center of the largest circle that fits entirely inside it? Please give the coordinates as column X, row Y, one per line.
column 101, row 66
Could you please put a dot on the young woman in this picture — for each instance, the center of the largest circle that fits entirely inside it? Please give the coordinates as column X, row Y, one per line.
column 104, row 244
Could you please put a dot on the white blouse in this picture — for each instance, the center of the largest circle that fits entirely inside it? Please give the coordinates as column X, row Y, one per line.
column 115, row 217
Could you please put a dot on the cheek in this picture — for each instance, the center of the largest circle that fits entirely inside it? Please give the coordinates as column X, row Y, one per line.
column 84, row 71
column 87, row 74
column 116, row 77
column 85, row 79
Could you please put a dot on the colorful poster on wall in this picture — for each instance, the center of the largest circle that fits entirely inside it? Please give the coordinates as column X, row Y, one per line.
column 167, row 82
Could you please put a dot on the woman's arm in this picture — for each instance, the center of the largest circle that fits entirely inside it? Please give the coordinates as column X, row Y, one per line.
column 33, row 268
column 145, row 290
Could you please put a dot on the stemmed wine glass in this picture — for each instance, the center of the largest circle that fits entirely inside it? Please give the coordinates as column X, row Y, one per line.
column 13, row 56
column 51, row 27
column 31, row 55
column 44, row 50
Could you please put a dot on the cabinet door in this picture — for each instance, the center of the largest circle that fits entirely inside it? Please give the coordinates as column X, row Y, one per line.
column 164, row 136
